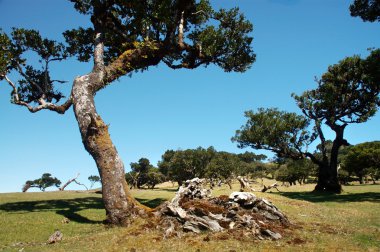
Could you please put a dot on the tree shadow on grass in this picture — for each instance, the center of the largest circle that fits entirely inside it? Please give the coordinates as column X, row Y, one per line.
column 67, row 207
column 167, row 189
column 341, row 198
column 153, row 203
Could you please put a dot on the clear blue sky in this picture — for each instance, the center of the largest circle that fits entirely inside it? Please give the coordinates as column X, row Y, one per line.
column 162, row 109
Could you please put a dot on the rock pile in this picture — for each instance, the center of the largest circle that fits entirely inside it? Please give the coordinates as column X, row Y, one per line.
column 194, row 210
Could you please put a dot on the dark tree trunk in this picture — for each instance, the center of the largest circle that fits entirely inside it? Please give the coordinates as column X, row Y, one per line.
column 328, row 180
column 328, row 171
column 119, row 204
column 361, row 179
column 229, row 183
column 180, row 182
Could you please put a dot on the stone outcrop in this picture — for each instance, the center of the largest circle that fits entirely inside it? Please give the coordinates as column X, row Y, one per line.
column 194, row 210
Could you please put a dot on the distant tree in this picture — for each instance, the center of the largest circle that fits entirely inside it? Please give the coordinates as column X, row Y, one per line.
column 251, row 166
column 164, row 163
column 93, row 179
column 347, row 93
column 123, row 37
column 368, row 10
column 250, row 157
column 132, row 178
column 42, row 183
column 144, row 174
column 363, row 160
column 154, row 177
column 182, row 165
column 140, row 170
column 222, row 167
column 293, row 171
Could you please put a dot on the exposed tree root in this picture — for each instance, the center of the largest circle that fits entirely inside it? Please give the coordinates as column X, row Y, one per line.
column 194, row 210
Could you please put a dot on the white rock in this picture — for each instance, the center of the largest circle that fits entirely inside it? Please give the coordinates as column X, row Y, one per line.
column 243, row 198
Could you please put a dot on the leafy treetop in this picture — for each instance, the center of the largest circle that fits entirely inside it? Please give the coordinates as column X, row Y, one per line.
column 347, row 93
column 127, row 36
column 368, row 10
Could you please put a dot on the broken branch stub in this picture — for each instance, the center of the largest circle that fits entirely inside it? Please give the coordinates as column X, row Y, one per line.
column 194, row 210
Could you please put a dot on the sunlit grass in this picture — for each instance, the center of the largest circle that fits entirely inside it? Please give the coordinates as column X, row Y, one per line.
column 346, row 222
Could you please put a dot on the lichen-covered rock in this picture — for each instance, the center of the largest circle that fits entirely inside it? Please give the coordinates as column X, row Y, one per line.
column 55, row 237
column 243, row 198
column 194, row 210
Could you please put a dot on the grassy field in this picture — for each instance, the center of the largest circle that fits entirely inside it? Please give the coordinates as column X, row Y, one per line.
column 346, row 222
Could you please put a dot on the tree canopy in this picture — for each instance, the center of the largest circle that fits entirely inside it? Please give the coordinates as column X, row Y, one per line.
column 125, row 37
column 93, row 179
column 347, row 93
column 363, row 159
column 42, row 183
column 144, row 173
column 368, row 10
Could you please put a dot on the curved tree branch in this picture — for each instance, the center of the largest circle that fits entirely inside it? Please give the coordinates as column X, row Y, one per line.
column 60, row 109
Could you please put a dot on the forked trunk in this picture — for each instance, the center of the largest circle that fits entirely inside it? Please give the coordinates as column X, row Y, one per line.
column 120, row 206
column 328, row 180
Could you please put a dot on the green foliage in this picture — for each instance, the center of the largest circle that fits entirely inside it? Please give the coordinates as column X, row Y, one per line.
column 282, row 132
column 347, row 93
column 34, row 83
column 127, row 23
column 44, row 182
column 368, row 10
column 80, row 43
column 214, row 44
column 93, row 179
column 134, row 35
column 182, row 165
column 293, row 171
column 142, row 166
column 164, row 164
column 144, row 173
column 222, row 166
column 363, row 160
column 5, row 54
column 250, row 157
column 154, row 177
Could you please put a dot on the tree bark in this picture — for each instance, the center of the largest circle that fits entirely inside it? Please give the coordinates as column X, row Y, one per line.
column 328, row 180
column 120, row 206
column 244, row 184
column 328, row 171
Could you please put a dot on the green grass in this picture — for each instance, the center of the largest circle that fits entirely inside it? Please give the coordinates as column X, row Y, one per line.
column 346, row 222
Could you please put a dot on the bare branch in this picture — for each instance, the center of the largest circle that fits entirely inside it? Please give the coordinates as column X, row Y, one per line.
column 180, row 30
column 59, row 81
column 14, row 92
column 184, row 65
column 19, row 68
column 61, row 109
column 266, row 188
column 76, row 182
column 99, row 53
column 200, row 11
column 71, row 181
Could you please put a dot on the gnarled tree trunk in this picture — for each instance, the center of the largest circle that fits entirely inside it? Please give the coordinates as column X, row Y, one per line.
column 328, row 180
column 328, row 171
column 119, row 204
